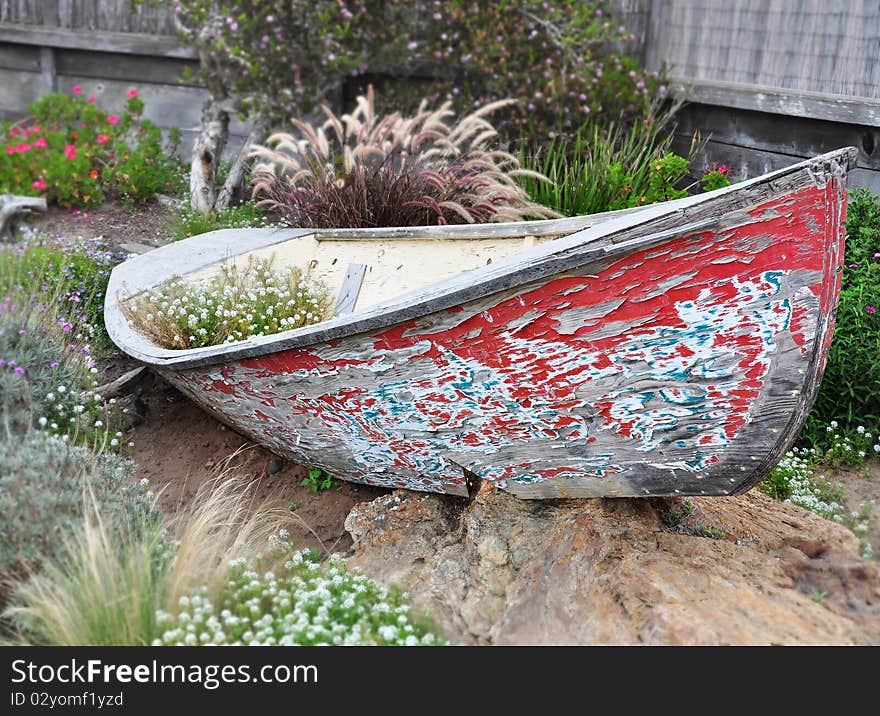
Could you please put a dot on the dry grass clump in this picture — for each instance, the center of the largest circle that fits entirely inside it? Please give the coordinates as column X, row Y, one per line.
column 363, row 171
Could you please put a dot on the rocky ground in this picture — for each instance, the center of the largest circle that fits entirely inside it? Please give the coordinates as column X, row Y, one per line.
column 739, row 570
column 496, row 570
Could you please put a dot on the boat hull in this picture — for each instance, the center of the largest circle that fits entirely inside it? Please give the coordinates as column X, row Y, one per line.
column 681, row 365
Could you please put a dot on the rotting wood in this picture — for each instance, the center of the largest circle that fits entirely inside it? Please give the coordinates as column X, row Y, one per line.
column 125, row 383
column 625, row 359
column 13, row 208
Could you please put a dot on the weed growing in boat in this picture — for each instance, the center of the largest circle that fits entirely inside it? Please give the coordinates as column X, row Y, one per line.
column 363, row 170
column 850, row 390
column 237, row 303
column 317, row 480
column 797, row 479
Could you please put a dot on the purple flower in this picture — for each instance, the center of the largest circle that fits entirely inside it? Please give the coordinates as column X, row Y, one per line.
column 19, row 370
column 870, row 309
column 67, row 327
column 54, row 364
column 853, row 265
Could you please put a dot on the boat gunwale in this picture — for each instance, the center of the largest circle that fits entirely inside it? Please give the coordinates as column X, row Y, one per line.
column 579, row 247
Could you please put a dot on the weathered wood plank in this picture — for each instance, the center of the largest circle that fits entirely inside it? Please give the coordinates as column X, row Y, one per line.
column 774, row 100
column 810, row 45
column 796, row 136
column 19, row 57
column 123, row 67
column 746, row 162
column 351, row 288
column 97, row 41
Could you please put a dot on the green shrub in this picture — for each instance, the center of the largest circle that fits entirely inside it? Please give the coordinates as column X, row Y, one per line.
column 850, row 390
column 76, row 154
column 563, row 61
column 607, row 168
column 45, row 487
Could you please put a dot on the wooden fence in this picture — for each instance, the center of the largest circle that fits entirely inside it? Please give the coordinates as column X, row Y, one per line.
column 743, row 64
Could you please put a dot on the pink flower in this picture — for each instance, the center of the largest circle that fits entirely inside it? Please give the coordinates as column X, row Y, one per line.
column 70, row 151
column 91, row 99
column 14, row 132
column 39, row 184
column 132, row 92
column 102, row 138
column 41, row 143
column 77, row 89
column 870, row 309
column 35, row 129
column 21, row 147
column 10, row 150
column 723, row 169
column 112, row 119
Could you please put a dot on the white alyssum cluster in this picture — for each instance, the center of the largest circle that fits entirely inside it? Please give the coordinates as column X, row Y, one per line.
column 305, row 603
column 238, row 303
column 797, row 471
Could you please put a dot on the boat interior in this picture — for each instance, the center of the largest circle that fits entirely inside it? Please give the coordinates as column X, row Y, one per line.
column 364, row 267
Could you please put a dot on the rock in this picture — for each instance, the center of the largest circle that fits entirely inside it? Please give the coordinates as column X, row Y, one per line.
column 276, row 465
column 736, row 570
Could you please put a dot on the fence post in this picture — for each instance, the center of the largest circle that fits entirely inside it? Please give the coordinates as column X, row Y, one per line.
column 47, row 70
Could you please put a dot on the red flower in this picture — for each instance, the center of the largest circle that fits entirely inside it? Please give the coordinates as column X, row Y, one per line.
column 77, row 89
column 112, row 119
column 93, row 174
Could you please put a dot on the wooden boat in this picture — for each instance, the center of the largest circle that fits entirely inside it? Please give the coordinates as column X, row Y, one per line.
column 674, row 349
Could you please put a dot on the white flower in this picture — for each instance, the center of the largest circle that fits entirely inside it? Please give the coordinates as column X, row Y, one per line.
column 43, row 422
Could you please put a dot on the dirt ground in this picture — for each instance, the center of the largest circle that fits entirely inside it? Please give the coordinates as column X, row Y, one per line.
column 178, row 447
column 144, row 224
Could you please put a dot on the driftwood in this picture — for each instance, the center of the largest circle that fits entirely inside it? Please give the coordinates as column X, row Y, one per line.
column 123, row 384
column 13, row 207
